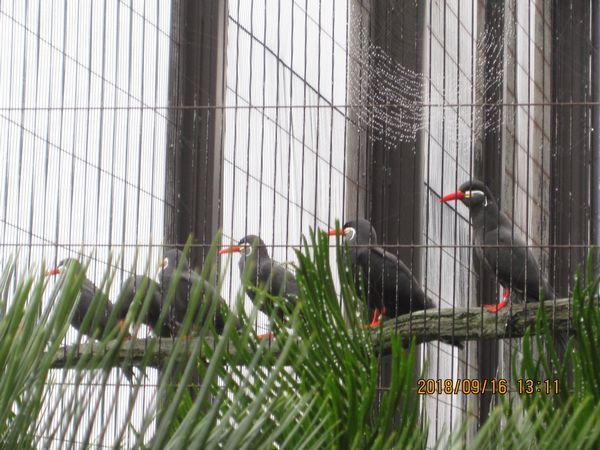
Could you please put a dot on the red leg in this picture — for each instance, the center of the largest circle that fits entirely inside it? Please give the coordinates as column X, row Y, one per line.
column 377, row 318
column 268, row 336
column 502, row 304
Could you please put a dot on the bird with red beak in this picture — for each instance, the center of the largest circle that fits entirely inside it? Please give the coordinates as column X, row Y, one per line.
column 387, row 283
column 504, row 253
column 258, row 270
column 91, row 300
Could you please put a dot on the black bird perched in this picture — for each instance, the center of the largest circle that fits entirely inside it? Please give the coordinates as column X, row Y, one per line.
column 504, row 253
column 265, row 273
column 130, row 288
column 187, row 281
column 392, row 290
column 98, row 324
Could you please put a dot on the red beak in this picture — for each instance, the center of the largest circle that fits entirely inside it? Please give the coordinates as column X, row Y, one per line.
column 54, row 271
column 232, row 249
column 334, row 232
column 458, row 195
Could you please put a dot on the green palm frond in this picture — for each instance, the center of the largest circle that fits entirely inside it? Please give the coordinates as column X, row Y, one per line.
column 316, row 384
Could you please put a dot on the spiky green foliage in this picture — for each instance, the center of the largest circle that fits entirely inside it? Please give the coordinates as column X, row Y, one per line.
column 321, row 390
column 543, row 418
column 315, row 385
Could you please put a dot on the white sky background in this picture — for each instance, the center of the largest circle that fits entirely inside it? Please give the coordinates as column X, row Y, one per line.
column 91, row 174
column 79, row 176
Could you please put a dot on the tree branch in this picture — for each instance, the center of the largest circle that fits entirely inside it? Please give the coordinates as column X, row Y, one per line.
column 450, row 324
column 473, row 324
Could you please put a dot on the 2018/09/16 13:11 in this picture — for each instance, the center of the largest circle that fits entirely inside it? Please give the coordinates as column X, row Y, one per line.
column 494, row 386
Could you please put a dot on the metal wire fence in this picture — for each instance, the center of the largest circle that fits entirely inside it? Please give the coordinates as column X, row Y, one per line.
column 127, row 125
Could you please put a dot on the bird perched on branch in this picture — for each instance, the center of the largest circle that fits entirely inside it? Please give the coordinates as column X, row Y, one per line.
column 89, row 296
column 187, row 282
column 505, row 254
column 391, row 288
column 93, row 310
column 260, row 271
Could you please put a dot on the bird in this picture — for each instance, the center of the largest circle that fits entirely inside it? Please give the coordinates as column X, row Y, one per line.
column 260, row 271
column 89, row 296
column 172, row 260
column 391, row 288
column 505, row 254
column 129, row 290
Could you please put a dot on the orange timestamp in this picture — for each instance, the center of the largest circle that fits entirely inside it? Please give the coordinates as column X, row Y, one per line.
column 462, row 386
column 530, row 386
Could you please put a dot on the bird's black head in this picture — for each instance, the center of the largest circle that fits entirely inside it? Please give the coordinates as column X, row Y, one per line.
column 356, row 232
column 250, row 245
column 65, row 264
column 473, row 193
column 171, row 261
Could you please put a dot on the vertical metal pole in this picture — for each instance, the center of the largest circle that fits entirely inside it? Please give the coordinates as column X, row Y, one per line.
column 572, row 156
column 595, row 181
column 395, row 173
column 195, row 123
column 489, row 168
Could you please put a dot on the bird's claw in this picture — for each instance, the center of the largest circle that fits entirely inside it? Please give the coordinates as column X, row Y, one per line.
column 377, row 319
column 373, row 324
column 497, row 307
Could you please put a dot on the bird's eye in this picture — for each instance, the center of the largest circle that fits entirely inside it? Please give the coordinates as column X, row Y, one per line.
column 476, row 194
column 247, row 249
column 349, row 233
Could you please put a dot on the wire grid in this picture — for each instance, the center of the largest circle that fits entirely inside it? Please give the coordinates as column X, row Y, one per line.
column 323, row 104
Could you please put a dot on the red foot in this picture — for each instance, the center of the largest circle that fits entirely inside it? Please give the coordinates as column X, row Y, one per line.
column 268, row 336
column 377, row 318
column 497, row 307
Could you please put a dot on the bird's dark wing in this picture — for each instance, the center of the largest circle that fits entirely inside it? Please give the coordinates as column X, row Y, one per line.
column 102, row 311
column 277, row 281
column 390, row 283
column 157, row 299
column 208, row 295
column 514, row 264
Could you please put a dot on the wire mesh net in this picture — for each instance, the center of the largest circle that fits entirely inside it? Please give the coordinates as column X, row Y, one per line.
column 125, row 126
